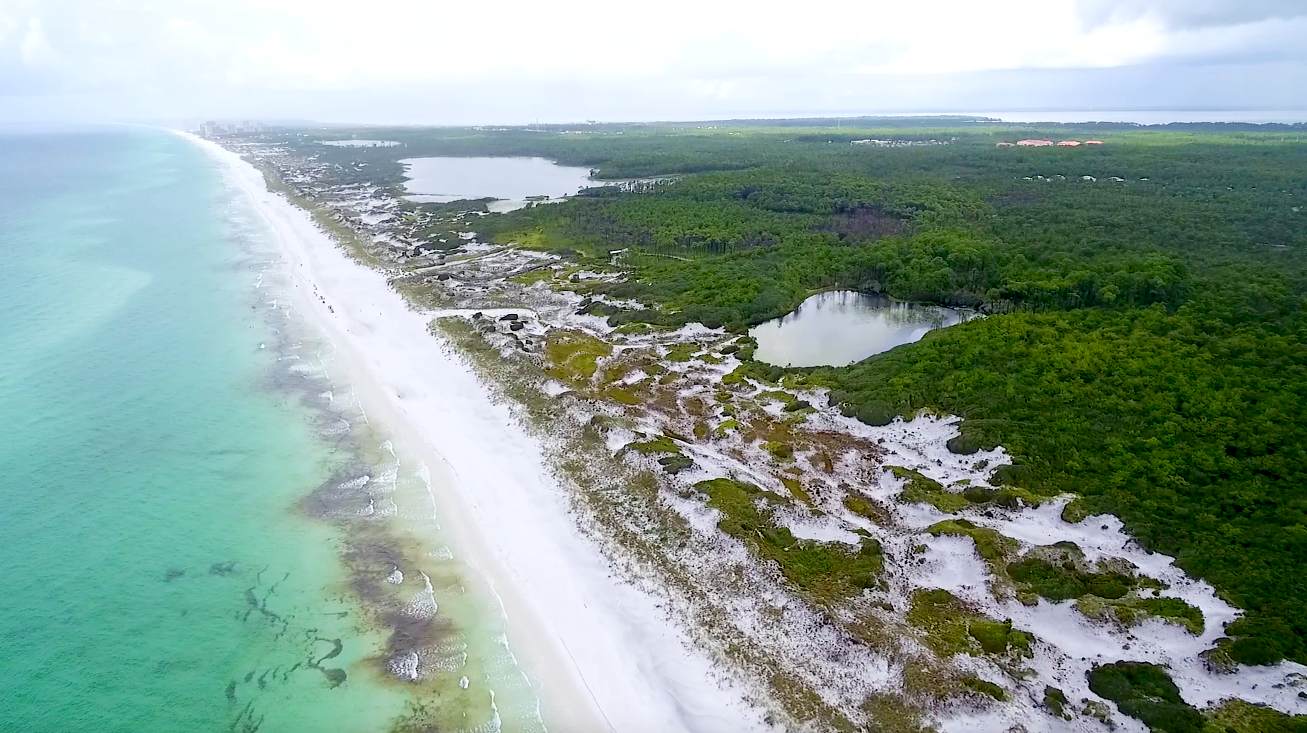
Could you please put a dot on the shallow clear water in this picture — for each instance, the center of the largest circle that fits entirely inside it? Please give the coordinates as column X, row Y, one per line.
column 841, row 327
column 183, row 537
column 444, row 179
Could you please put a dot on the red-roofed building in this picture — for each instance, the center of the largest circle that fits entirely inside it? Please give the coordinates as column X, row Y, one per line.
column 1034, row 143
column 1069, row 144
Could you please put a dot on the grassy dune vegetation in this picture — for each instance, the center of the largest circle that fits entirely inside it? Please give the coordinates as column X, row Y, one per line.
column 1145, row 345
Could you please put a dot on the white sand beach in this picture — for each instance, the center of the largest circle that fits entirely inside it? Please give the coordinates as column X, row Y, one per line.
column 600, row 653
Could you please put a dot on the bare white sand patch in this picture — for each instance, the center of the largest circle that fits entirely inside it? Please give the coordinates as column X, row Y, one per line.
column 821, row 529
column 951, row 563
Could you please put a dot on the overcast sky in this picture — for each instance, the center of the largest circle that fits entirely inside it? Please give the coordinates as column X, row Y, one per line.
column 416, row 61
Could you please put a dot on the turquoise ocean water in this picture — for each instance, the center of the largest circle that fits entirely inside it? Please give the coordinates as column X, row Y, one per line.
column 158, row 568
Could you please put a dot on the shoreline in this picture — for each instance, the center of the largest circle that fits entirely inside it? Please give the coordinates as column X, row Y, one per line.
column 596, row 649
column 657, row 516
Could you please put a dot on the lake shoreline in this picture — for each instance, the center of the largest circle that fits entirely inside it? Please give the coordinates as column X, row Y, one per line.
column 449, row 179
column 842, row 326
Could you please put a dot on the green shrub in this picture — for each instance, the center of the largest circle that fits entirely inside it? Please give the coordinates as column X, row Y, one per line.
column 1065, row 582
column 984, row 687
column 1055, row 701
column 1146, row 692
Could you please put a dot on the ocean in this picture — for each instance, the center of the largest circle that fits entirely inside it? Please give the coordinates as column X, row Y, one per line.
column 197, row 531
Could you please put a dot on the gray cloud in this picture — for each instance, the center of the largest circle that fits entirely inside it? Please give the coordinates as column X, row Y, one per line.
column 1189, row 14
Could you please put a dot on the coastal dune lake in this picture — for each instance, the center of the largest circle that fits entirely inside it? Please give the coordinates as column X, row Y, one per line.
column 841, row 327
column 511, row 181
